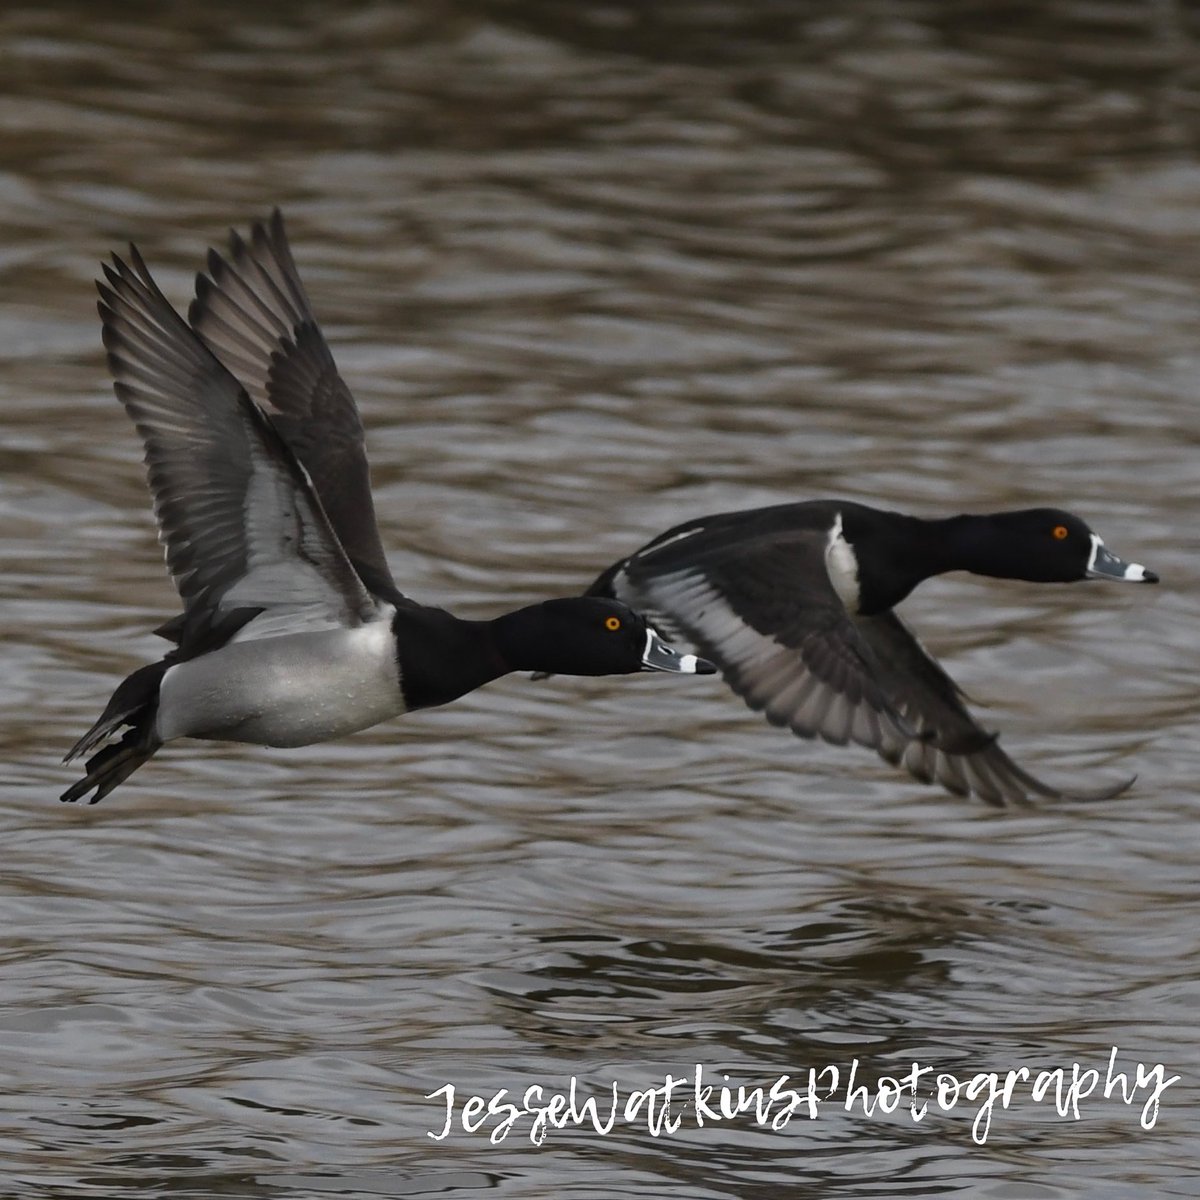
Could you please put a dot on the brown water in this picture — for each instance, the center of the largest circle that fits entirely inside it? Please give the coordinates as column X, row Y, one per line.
column 593, row 270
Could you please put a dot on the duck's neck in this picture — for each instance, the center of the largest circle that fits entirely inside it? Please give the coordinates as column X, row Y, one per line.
column 895, row 556
column 522, row 641
column 980, row 543
column 441, row 656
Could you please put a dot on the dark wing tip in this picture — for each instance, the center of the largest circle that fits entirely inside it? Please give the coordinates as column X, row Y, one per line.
column 139, row 263
column 1097, row 795
column 1017, row 786
column 114, row 272
column 267, row 232
column 237, row 246
column 214, row 261
column 992, row 776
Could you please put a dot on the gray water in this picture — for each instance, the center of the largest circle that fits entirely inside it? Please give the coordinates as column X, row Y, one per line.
column 594, row 269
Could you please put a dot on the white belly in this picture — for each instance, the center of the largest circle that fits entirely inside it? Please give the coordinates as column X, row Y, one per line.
column 284, row 691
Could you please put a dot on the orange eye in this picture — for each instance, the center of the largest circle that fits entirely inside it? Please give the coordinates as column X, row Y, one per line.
column 1060, row 532
column 612, row 623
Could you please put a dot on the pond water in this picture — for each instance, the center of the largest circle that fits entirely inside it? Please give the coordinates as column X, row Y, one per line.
column 592, row 270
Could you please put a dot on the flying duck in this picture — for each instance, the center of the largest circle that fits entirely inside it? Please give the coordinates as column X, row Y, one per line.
column 292, row 630
column 794, row 604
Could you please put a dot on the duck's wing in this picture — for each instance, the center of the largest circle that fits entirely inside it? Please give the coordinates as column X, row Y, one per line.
column 253, row 313
column 247, row 542
column 763, row 610
column 955, row 751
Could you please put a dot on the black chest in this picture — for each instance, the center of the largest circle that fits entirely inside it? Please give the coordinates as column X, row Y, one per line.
column 441, row 656
column 891, row 554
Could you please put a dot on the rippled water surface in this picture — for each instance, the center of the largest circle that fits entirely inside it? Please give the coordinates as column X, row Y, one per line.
column 594, row 269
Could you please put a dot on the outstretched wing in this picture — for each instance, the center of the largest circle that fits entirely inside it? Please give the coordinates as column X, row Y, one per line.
column 762, row 608
column 253, row 313
column 244, row 532
column 957, row 752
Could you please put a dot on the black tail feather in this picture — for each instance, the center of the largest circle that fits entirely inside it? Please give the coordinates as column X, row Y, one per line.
column 114, row 764
column 134, row 703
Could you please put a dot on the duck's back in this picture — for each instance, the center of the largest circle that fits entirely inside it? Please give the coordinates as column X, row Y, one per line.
column 705, row 542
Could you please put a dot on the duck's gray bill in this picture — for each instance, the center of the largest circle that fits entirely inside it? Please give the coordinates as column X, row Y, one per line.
column 658, row 656
column 1104, row 564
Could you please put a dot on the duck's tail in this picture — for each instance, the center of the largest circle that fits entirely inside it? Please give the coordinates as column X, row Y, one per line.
column 134, row 703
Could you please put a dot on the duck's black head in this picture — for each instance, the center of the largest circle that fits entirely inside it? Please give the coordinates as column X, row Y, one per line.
column 1045, row 545
column 587, row 635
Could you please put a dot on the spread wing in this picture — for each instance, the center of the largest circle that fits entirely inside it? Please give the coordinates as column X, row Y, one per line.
column 762, row 608
column 958, row 753
column 243, row 531
column 253, row 313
